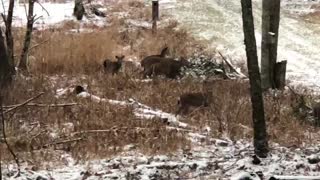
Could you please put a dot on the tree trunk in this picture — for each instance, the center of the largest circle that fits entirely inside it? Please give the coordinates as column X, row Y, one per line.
column 9, row 37
column 259, row 124
column 269, row 42
column 78, row 10
column 27, row 38
column 280, row 74
column 5, row 75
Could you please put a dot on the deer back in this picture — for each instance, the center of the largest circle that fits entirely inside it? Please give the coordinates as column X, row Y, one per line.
column 149, row 60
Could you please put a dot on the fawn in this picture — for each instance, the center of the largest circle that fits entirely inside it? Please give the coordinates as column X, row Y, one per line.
column 195, row 99
column 113, row 67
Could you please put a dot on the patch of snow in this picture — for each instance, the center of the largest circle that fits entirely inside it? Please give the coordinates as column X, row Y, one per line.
column 234, row 161
column 244, row 176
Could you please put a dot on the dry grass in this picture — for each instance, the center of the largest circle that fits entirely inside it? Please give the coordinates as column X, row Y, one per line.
column 230, row 114
column 76, row 54
column 72, row 53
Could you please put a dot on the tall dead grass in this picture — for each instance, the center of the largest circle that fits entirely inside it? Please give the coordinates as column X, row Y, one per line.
column 67, row 51
column 76, row 54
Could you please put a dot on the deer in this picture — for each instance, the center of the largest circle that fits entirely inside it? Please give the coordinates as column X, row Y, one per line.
column 168, row 67
column 111, row 66
column 149, row 60
column 195, row 99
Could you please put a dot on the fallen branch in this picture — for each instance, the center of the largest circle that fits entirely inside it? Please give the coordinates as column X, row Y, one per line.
column 296, row 177
column 108, row 130
column 43, row 42
column 62, row 142
column 24, row 103
column 5, row 138
column 230, row 65
column 45, row 105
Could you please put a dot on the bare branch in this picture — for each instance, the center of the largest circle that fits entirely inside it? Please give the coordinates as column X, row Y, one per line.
column 230, row 65
column 24, row 103
column 43, row 42
column 62, row 142
column 5, row 137
column 44, row 105
column 27, row 38
column 4, row 9
column 43, row 8
column 36, row 19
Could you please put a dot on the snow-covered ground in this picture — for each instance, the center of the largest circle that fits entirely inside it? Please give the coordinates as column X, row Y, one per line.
column 220, row 22
column 217, row 159
column 47, row 13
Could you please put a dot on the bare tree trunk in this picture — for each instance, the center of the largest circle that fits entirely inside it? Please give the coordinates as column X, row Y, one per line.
column 274, row 33
column 27, row 38
column 259, row 124
column 269, row 43
column 5, row 75
column 9, row 38
column 78, row 10
column 9, row 33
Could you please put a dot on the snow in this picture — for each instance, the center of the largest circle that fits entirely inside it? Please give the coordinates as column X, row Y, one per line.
column 206, row 161
column 49, row 14
column 218, row 21
column 58, row 12
column 244, row 176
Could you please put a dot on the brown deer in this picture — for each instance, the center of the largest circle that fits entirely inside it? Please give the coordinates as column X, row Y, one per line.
column 168, row 67
column 113, row 67
column 149, row 60
column 195, row 99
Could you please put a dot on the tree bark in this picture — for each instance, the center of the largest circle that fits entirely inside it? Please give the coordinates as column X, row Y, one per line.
column 27, row 38
column 78, row 10
column 269, row 42
column 5, row 75
column 9, row 37
column 259, row 124
column 280, row 74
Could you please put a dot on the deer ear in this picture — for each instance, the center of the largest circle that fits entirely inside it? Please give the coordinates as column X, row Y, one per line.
column 117, row 57
column 122, row 57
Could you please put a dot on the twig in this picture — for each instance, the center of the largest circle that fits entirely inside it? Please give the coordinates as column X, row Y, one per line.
column 45, row 105
column 24, row 103
column 43, row 8
column 45, row 41
column 106, row 130
column 35, row 18
column 4, row 10
column 4, row 19
column 62, row 142
column 35, row 136
column 25, row 8
column 5, row 137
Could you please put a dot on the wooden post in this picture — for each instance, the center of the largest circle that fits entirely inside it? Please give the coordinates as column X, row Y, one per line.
column 280, row 74
column 155, row 15
column 269, row 43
